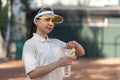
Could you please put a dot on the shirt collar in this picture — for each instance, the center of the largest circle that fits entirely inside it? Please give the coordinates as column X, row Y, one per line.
column 40, row 38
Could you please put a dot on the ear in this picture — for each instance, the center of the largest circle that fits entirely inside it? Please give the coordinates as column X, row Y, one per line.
column 36, row 22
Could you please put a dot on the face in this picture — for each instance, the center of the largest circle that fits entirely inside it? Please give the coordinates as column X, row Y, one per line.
column 45, row 24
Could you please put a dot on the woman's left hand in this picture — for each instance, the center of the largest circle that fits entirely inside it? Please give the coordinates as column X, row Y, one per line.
column 71, row 44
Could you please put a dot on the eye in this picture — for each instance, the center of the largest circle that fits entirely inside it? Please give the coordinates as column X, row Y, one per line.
column 47, row 19
column 53, row 20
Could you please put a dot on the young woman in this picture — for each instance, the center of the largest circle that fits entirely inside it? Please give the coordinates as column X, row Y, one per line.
column 44, row 57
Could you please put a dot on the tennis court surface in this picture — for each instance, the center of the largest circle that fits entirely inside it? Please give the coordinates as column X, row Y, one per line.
column 82, row 69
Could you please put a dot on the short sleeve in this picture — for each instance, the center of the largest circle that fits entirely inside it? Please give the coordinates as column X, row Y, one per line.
column 28, row 57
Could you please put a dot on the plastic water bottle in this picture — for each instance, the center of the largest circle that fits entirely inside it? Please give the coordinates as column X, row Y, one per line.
column 67, row 69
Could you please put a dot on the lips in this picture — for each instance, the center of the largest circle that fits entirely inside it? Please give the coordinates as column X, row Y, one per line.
column 49, row 28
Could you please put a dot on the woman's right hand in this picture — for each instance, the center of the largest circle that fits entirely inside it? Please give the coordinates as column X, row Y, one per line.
column 64, row 61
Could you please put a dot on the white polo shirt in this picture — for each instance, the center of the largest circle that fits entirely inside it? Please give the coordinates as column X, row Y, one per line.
column 38, row 51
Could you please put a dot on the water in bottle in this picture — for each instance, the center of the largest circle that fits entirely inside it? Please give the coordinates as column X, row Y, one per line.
column 67, row 69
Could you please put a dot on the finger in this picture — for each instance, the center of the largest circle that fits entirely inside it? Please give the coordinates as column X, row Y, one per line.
column 72, row 57
column 70, row 63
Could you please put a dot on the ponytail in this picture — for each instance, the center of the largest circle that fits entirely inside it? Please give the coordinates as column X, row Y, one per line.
column 33, row 26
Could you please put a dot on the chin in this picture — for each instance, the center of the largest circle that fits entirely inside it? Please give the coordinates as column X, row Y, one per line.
column 49, row 31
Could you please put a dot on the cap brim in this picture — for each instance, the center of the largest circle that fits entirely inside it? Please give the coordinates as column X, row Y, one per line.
column 58, row 19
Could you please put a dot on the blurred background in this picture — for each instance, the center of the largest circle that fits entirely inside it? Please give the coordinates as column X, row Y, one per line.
column 95, row 24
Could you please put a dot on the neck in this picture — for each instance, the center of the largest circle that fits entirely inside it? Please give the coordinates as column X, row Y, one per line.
column 43, row 35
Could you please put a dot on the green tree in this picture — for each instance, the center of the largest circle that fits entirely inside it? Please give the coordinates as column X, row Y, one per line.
column 25, row 3
column 6, row 23
column 3, row 17
column 3, row 25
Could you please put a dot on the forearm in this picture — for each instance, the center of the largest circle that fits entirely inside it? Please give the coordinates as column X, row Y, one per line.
column 79, row 50
column 43, row 70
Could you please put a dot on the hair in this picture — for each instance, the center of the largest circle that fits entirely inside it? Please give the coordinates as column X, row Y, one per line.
column 48, row 8
column 33, row 25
